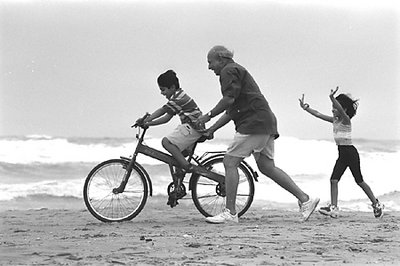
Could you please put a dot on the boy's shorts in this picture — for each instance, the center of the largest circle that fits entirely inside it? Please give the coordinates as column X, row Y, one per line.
column 244, row 145
column 183, row 136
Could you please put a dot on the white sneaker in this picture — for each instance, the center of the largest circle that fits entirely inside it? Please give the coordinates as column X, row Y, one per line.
column 307, row 208
column 223, row 217
column 330, row 210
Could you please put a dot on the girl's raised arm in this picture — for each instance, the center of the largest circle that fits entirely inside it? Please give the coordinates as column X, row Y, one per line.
column 306, row 107
column 338, row 106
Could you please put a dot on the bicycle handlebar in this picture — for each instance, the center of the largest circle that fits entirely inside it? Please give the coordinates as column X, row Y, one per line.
column 140, row 121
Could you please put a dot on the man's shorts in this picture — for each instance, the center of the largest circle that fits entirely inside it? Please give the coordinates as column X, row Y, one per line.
column 244, row 145
column 183, row 136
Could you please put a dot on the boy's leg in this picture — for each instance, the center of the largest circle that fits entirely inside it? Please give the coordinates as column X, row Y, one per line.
column 175, row 152
column 182, row 137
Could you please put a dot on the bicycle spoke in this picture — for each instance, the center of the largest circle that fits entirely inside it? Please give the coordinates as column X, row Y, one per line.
column 99, row 196
column 210, row 196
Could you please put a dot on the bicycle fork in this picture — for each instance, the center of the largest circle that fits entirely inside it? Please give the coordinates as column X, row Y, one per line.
column 128, row 172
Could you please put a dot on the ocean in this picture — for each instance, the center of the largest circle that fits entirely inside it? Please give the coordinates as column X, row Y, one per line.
column 49, row 172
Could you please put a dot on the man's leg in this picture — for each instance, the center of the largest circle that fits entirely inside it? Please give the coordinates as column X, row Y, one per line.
column 268, row 168
column 231, row 164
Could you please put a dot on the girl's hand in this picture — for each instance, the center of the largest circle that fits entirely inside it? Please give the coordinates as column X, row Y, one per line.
column 333, row 92
column 302, row 103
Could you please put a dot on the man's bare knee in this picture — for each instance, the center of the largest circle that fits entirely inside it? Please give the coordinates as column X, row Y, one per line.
column 265, row 165
column 231, row 161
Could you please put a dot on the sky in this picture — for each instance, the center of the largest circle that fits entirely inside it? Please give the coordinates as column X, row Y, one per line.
column 89, row 68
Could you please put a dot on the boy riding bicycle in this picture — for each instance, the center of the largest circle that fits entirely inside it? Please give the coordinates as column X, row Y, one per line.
column 186, row 134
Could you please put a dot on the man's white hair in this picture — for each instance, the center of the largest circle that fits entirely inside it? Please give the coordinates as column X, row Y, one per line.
column 221, row 51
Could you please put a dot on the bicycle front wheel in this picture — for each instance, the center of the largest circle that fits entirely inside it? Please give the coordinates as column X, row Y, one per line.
column 209, row 197
column 108, row 206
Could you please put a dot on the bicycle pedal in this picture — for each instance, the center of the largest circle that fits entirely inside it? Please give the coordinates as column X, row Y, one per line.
column 180, row 194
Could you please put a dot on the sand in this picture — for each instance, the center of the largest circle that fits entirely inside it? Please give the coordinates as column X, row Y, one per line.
column 180, row 236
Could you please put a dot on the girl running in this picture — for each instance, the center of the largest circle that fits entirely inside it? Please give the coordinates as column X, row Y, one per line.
column 343, row 109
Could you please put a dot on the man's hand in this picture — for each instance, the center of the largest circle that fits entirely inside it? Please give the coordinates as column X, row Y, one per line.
column 203, row 119
column 208, row 134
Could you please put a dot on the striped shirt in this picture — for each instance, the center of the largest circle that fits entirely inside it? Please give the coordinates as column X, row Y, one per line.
column 183, row 105
column 342, row 133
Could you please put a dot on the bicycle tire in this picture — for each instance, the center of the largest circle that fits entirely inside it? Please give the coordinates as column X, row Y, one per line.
column 208, row 197
column 107, row 206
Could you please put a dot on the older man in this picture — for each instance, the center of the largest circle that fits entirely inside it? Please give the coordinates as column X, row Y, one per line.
column 256, row 131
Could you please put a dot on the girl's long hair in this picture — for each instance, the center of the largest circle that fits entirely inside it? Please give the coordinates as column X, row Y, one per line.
column 348, row 104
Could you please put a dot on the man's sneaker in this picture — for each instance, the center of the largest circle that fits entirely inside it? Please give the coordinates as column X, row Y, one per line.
column 378, row 209
column 307, row 208
column 330, row 210
column 223, row 217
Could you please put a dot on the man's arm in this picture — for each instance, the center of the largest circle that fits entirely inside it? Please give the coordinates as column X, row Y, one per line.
column 222, row 121
column 221, row 106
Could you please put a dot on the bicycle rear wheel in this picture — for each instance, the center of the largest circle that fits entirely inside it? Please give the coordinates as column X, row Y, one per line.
column 209, row 197
column 108, row 206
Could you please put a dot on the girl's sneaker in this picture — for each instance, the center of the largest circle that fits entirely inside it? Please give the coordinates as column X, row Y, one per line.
column 330, row 210
column 378, row 209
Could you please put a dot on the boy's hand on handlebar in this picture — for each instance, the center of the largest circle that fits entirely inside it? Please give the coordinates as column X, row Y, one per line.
column 141, row 122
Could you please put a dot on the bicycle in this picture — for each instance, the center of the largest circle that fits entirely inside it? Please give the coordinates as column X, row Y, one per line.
column 117, row 189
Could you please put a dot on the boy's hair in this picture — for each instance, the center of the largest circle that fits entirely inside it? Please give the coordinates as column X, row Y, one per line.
column 168, row 79
column 348, row 103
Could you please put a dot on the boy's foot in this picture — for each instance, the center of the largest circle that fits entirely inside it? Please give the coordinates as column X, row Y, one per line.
column 330, row 210
column 307, row 208
column 378, row 209
column 223, row 217
column 172, row 200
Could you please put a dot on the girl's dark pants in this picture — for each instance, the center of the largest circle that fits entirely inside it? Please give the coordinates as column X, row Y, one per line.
column 348, row 157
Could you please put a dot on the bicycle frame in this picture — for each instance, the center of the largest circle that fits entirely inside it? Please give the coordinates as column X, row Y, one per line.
column 166, row 158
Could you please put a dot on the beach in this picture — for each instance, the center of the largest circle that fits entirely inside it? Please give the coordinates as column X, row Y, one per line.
column 160, row 235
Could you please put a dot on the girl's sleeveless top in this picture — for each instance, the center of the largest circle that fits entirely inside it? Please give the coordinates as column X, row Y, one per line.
column 342, row 133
